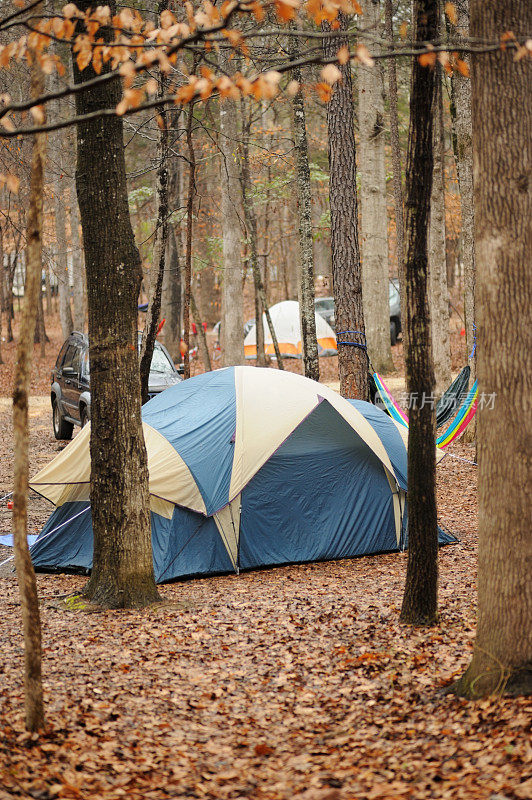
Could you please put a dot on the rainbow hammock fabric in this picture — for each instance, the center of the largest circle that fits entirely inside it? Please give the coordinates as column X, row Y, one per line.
column 465, row 414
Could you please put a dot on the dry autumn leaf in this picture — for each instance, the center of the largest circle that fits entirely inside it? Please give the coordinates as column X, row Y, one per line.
column 452, row 16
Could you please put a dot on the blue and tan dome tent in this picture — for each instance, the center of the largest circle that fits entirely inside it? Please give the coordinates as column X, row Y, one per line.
column 248, row 467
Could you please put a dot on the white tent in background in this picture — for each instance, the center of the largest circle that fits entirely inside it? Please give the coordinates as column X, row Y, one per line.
column 285, row 319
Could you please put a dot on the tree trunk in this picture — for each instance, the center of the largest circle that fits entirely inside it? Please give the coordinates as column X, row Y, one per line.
column 159, row 248
column 171, row 298
column 374, row 221
column 502, row 132
column 347, row 283
column 188, row 241
column 307, row 311
column 396, row 169
column 438, row 289
column 251, row 227
column 202, row 339
column 232, row 300
column 420, row 600
column 40, row 336
column 58, row 147
column 462, row 125
column 251, row 224
column 122, row 574
column 78, row 269
column 33, row 694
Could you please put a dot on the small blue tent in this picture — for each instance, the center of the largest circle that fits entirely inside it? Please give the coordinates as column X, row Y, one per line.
column 248, row 467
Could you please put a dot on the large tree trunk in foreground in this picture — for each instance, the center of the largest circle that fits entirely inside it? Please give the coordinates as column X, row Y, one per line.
column 33, row 695
column 347, row 282
column 438, row 290
column 420, row 600
column 307, row 310
column 502, row 128
column 122, row 573
column 463, row 141
column 374, row 220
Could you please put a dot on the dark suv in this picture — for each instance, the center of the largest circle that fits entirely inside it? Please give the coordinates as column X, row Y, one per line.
column 70, row 392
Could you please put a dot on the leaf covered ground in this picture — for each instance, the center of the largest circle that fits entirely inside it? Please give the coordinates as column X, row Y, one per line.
column 286, row 683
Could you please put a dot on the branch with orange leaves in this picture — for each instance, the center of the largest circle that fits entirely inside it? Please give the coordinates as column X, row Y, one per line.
column 207, row 28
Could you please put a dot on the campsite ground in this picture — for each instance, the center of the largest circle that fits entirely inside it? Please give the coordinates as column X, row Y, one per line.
column 295, row 682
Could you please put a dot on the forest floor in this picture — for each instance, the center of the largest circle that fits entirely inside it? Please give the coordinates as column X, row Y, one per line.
column 294, row 682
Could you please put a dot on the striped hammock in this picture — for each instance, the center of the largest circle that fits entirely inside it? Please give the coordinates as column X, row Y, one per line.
column 464, row 416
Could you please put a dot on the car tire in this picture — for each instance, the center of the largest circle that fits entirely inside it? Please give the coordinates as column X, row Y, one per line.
column 393, row 332
column 62, row 428
column 83, row 416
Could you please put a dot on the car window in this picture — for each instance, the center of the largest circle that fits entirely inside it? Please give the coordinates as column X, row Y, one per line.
column 160, row 362
column 72, row 358
column 61, row 355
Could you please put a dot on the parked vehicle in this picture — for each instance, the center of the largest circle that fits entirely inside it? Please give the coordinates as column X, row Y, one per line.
column 325, row 308
column 70, row 391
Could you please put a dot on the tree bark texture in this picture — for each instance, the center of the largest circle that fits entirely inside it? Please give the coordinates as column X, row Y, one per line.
column 307, row 310
column 232, row 298
column 346, row 271
column 502, row 133
column 33, row 693
column 374, row 218
column 420, row 599
column 122, row 574
column 463, row 138
column 438, row 289
column 159, row 249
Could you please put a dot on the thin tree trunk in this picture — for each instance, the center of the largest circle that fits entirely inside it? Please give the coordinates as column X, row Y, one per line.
column 396, row 167
column 502, row 132
column 171, row 299
column 9, row 275
column 232, row 299
column 307, row 311
column 159, row 248
column 347, row 282
column 374, row 219
column 122, row 573
column 251, row 224
column 438, row 289
column 462, row 125
column 202, row 339
column 250, row 219
column 188, row 245
column 33, row 693
column 61, row 259
column 78, row 269
column 420, row 600
column 40, row 335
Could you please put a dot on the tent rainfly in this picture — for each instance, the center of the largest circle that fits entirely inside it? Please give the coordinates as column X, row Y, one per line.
column 248, row 467
column 287, row 326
